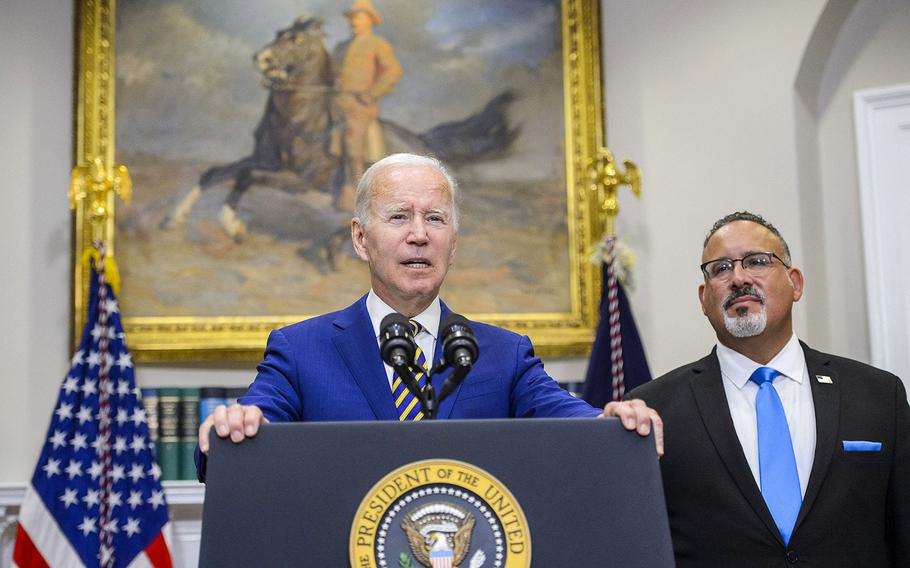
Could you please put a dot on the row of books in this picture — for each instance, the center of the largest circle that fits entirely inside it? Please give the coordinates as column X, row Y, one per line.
column 174, row 415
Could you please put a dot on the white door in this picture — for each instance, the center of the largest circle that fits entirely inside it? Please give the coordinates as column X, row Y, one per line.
column 883, row 148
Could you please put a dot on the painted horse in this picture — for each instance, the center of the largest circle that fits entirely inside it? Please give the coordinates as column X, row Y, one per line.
column 294, row 150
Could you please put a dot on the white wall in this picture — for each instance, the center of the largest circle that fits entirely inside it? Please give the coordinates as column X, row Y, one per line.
column 35, row 139
column 700, row 94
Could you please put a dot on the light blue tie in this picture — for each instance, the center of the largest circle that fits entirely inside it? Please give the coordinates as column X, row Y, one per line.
column 776, row 461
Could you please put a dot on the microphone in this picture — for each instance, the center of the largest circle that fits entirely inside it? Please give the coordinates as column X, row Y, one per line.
column 399, row 351
column 396, row 344
column 459, row 347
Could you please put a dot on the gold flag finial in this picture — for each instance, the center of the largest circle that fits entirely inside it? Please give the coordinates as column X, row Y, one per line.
column 604, row 180
column 93, row 184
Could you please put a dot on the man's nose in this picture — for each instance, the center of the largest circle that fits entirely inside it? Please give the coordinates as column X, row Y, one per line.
column 741, row 276
column 418, row 233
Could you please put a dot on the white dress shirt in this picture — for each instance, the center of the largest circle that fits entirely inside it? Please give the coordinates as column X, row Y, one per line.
column 795, row 394
column 426, row 339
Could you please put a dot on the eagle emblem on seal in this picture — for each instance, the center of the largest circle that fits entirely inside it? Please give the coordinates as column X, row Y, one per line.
column 439, row 534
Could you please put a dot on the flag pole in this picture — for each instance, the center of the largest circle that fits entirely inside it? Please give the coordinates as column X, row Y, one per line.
column 606, row 378
column 94, row 183
column 605, row 179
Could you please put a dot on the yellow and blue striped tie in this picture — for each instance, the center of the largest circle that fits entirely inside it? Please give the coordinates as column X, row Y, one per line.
column 407, row 404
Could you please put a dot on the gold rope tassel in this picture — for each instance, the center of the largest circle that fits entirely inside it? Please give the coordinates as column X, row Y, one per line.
column 111, row 272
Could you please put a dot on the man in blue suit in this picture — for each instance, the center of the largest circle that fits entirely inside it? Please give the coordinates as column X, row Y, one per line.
column 329, row 367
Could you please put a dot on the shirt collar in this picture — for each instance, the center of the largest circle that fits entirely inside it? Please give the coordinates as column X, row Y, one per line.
column 429, row 318
column 737, row 368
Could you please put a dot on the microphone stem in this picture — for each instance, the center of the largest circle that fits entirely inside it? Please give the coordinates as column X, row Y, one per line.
column 429, row 402
column 453, row 381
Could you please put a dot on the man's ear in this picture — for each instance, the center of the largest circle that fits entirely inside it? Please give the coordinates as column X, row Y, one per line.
column 701, row 298
column 454, row 246
column 358, row 238
column 797, row 281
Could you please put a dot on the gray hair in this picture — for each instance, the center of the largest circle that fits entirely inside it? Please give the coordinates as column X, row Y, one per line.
column 365, row 187
column 753, row 218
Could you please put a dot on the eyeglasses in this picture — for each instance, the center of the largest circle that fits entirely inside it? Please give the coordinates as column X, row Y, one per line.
column 756, row 264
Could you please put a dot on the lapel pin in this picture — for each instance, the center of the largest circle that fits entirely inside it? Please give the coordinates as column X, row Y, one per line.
column 824, row 379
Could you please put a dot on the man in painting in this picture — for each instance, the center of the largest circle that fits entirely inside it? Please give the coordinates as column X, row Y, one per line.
column 329, row 367
column 776, row 453
column 367, row 71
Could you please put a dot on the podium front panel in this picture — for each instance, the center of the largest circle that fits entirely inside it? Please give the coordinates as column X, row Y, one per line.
column 297, row 494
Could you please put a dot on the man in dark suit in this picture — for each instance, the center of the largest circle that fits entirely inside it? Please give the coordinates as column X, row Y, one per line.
column 329, row 368
column 777, row 454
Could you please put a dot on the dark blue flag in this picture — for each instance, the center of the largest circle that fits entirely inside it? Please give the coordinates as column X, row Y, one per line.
column 618, row 362
column 95, row 498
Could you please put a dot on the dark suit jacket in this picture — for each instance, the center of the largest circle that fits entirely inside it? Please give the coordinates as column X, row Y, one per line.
column 329, row 368
column 856, row 511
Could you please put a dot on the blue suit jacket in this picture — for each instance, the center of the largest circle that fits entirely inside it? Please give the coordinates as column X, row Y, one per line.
column 329, row 368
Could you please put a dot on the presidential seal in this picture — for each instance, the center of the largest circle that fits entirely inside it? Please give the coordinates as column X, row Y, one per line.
column 439, row 514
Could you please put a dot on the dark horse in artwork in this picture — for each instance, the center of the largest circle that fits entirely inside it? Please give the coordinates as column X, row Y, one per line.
column 294, row 149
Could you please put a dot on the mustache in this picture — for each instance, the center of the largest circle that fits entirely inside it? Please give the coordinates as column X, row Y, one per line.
column 740, row 292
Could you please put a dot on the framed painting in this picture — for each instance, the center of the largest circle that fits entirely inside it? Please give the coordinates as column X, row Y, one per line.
column 244, row 124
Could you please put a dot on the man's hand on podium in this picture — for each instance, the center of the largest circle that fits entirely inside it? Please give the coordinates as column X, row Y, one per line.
column 237, row 421
column 635, row 415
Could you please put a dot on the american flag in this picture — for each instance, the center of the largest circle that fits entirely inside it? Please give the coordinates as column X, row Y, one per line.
column 95, row 498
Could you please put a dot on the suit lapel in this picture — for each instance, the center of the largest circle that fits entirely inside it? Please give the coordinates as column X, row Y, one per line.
column 826, row 399
column 358, row 348
column 711, row 400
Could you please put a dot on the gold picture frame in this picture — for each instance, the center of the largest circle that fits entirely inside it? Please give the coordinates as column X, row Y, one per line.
column 242, row 337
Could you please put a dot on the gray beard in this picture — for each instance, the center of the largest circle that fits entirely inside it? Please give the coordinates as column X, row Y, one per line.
column 746, row 325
